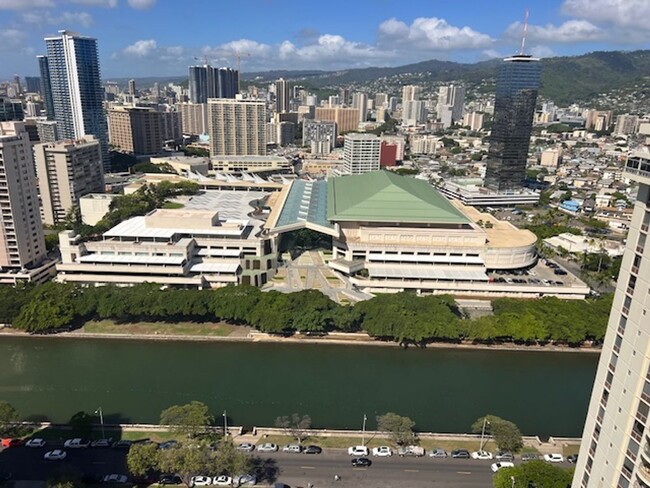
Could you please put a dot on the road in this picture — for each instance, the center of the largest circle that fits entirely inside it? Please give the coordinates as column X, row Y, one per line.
column 296, row 470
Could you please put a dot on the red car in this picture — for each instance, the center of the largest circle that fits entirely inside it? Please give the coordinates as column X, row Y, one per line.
column 11, row 442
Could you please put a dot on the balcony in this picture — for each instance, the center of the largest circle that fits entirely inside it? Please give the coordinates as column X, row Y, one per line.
column 645, row 452
column 643, row 473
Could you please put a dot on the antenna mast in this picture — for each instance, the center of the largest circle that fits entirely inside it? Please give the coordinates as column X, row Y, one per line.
column 523, row 37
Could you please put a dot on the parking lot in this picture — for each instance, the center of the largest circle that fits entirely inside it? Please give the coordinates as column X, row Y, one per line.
column 544, row 273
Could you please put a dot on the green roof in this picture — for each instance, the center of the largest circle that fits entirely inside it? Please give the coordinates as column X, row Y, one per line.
column 383, row 196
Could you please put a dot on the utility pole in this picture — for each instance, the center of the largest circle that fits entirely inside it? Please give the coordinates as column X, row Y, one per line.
column 485, row 423
column 239, row 55
column 101, row 420
column 363, row 430
column 225, row 424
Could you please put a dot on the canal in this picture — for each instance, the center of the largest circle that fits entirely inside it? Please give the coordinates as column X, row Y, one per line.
column 442, row 390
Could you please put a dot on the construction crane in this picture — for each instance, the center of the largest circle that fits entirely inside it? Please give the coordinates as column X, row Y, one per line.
column 239, row 55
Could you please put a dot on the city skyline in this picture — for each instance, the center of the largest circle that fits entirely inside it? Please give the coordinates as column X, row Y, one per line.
column 134, row 40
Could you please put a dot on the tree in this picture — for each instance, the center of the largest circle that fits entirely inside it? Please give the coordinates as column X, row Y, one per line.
column 189, row 419
column 229, row 459
column 400, row 428
column 505, row 433
column 49, row 307
column 186, row 461
column 533, row 474
column 81, row 424
column 143, row 458
column 295, row 426
column 9, row 417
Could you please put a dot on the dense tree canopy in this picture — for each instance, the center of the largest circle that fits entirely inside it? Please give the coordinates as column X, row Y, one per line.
column 190, row 419
column 506, row 434
column 400, row 428
column 533, row 474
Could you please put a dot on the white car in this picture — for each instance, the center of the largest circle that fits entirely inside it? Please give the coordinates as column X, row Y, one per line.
column 200, row 481
column 503, row 464
column 482, row 455
column 246, row 447
column 382, row 451
column 246, row 480
column 268, row 447
column 77, row 443
column 101, row 443
column 553, row 458
column 36, row 442
column 297, row 448
column 358, row 451
column 116, row 479
column 56, row 455
column 222, row 481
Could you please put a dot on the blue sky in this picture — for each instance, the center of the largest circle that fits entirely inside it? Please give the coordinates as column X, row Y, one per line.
column 162, row 37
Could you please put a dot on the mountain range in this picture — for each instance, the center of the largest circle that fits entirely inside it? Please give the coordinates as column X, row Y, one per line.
column 565, row 79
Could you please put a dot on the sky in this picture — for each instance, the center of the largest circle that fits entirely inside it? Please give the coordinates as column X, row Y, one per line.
column 163, row 37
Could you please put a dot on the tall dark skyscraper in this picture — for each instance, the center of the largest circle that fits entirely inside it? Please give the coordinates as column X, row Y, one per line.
column 77, row 94
column 514, row 108
column 208, row 82
column 46, row 86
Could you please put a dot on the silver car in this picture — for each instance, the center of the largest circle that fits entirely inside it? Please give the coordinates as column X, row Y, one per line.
column 438, row 452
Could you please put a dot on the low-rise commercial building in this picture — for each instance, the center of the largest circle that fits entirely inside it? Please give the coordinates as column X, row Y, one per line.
column 250, row 164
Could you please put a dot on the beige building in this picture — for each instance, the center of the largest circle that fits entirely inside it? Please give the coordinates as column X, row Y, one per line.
column 236, row 127
column 136, row 130
column 22, row 244
column 184, row 165
column 551, row 157
column 615, row 450
column 410, row 93
column 347, row 119
column 94, row 206
column 67, row 170
column 194, row 118
column 250, row 164
column 473, row 120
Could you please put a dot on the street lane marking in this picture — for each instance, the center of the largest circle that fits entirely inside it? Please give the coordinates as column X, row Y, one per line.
column 411, row 470
column 307, row 467
column 463, row 472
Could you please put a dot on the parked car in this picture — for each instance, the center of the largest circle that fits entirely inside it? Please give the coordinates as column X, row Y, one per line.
column 482, row 455
column 416, row 451
column 35, row 442
column 573, row 458
column 312, row 450
column 460, row 454
column 245, row 480
column 123, row 444
column 101, row 443
column 11, row 442
column 297, row 448
column 246, row 447
column 504, row 456
column 170, row 479
column 553, row 458
column 357, row 451
column 55, row 455
column 502, row 464
column 361, row 462
column 170, row 444
column 529, row 456
column 382, row 451
column 268, row 447
column 200, row 481
column 116, row 479
column 222, row 480
column 438, row 452
column 77, row 443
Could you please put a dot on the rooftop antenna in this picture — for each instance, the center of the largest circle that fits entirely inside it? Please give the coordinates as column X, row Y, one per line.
column 523, row 37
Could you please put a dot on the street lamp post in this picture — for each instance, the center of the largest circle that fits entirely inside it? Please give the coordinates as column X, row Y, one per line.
column 363, row 430
column 101, row 420
column 485, row 423
column 225, row 424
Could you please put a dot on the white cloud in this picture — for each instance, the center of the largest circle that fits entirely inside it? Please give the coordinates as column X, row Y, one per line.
column 97, row 3
column 66, row 18
column 141, row 4
column 141, row 48
column 11, row 38
column 541, row 51
column 331, row 49
column 431, row 34
column 570, row 31
column 622, row 13
column 25, row 4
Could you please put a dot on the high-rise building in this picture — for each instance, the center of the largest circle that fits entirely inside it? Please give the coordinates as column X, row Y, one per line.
column 171, row 127
column 414, row 112
column 451, row 98
column 615, row 443
column 77, row 94
column 360, row 102
column 46, row 86
column 194, row 118
column 282, row 96
column 319, row 131
column 347, row 119
column 344, row 96
column 626, row 125
column 598, row 120
column 514, row 109
column 132, row 90
column 67, row 170
column 361, row 153
column 11, row 110
column 334, row 101
column 22, row 243
column 47, row 130
column 136, row 130
column 209, row 82
column 381, row 100
column 237, row 127
column 410, row 93
column 33, row 84
column 473, row 120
